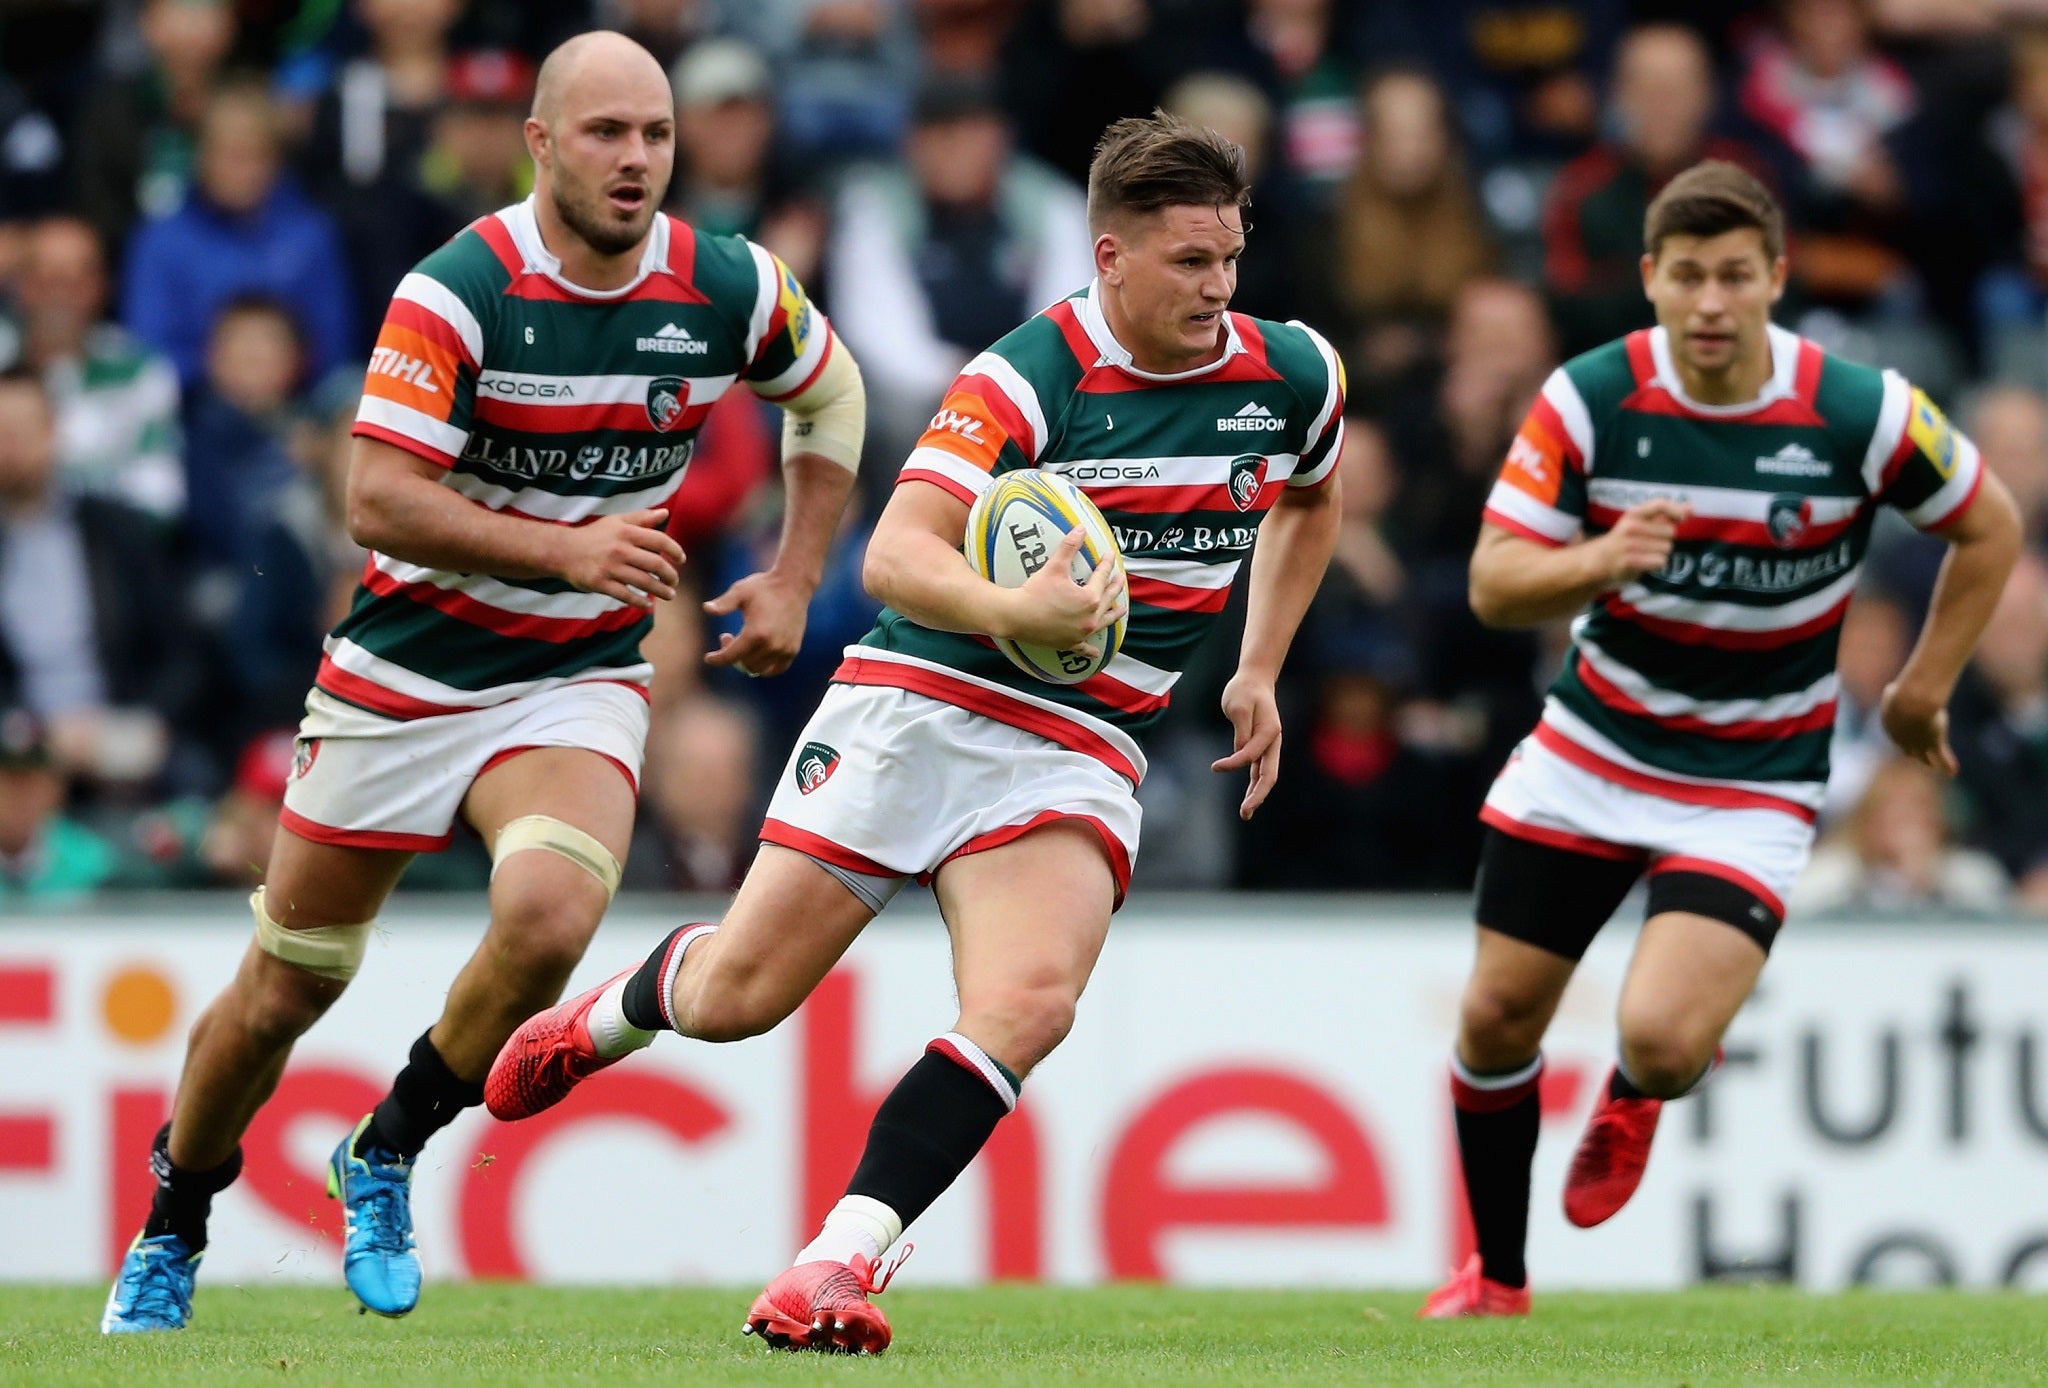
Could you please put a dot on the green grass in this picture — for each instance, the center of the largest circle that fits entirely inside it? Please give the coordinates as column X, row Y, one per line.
column 1030, row 1335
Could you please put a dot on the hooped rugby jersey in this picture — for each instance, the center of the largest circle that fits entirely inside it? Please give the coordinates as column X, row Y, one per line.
column 1713, row 679
column 554, row 402
column 1183, row 467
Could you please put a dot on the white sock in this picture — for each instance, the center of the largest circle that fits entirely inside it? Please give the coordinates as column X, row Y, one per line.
column 857, row 1224
column 610, row 1032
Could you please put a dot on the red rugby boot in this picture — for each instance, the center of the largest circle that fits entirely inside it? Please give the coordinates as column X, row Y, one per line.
column 1610, row 1160
column 1470, row 1292
column 548, row 1056
column 824, row 1306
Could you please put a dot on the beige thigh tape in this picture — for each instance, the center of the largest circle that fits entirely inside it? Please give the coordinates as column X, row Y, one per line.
column 331, row 951
column 546, row 832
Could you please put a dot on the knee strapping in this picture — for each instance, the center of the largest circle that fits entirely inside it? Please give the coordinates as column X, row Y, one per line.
column 331, row 951
column 546, row 832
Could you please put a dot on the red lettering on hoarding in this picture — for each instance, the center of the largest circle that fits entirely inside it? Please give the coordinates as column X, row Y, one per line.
column 28, row 1142
column 28, row 995
column 488, row 1197
column 136, row 1115
column 836, row 1115
column 298, row 1194
column 1141, row 1203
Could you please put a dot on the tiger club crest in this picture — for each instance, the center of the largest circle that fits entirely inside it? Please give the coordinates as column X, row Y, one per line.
column 666, row 398
column 1787, row 519
column 1247, row 477
column 815, row 763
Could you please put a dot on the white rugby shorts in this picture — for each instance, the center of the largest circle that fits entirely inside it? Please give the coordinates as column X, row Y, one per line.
column 367, row 781
column 1543, row 797
column 886, row 783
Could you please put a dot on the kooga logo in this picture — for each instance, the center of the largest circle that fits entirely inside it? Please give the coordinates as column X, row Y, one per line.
column 1252, row 418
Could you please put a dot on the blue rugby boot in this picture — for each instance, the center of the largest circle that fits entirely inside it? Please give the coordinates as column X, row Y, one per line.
column 153, row 1290
column 375, row 1189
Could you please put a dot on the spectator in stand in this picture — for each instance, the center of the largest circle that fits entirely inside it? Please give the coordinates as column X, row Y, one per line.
column 665, row 28
column 94, row 638
column 726, row 179
column 239, row 426
column 1293, row 46
column 300, row 565
column 2009, row 425
column 1075, row 66
column 244, row 228
column 32, row 155
column 1876, row 634
column 137, row 137
column 116, row 400
column 380, row 111
column 1409, row 233
column 1818, row 85
column 1894, row 854
column 1662, row 108
column 846, row 67
column 700, row 796
column 2001, row 184
column 935, row 258
column 1366, row 578
column 45, row 855
column 1285, row 277
column 1999, row 722
column 234, row 848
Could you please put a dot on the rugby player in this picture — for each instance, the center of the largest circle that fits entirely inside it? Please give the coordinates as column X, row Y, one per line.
column 1209, row 440
column 533, row 399
column 1702, row 494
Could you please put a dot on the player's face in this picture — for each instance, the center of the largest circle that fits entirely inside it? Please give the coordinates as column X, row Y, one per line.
column 1713, row 295
column 607, row 160
column 1171, row 274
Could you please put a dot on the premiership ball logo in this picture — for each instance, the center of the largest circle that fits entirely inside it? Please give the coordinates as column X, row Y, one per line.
column 666, row 397
column 1247, row 476
column 815, row 765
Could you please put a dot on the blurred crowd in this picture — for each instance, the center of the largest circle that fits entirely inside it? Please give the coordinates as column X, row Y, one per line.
column 205, row 204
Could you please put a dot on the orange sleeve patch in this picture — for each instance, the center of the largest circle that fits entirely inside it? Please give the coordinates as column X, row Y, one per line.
column 412, row 370
column 966, row 427
column 1536, row 462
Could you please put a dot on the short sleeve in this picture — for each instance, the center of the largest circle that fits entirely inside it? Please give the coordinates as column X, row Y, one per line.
column 421, row 385
column 990, row 421
column 1919, row 463
column 1541, row 492
column 788, row 338
column 1324, row 444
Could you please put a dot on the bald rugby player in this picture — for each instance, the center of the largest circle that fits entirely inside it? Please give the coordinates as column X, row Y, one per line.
column 532, row 402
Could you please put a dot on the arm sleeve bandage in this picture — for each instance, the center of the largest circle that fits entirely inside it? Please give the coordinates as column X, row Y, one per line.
column 829, row 416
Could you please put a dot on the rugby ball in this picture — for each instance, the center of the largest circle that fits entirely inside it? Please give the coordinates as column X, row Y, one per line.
column 1011, row 533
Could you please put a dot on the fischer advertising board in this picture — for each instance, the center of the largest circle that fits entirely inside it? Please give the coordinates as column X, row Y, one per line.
column 1254, row 1095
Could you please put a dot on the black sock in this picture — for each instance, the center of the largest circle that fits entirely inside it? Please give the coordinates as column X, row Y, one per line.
column 934, row 1121
column 1619, row 1086
column 1497, row 1120
column 425, row 1098
column 184, row 1198
column 642, row 1002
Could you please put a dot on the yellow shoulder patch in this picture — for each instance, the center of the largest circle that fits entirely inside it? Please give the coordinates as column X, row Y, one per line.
column 1932, row 434
column 796, row 308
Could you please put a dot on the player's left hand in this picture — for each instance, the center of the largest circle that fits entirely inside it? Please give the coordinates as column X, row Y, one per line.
column 773, row 609
column 1254, row 716
column 1919, row 725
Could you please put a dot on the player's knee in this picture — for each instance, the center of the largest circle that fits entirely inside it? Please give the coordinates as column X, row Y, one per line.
column 542, row 935
column 1663, row 1057
column 1024, row 1023
column 1496, row 1023
column 729, row 1000
column 283, row 1005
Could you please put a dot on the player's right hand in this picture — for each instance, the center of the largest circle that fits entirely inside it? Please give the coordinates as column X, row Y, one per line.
column 630, row 557
column 1050, row 609
column 1641, row 540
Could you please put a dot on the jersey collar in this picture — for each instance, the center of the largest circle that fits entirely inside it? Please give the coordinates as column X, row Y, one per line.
column 525, row 228
column 1089, row 311
column 1781, row 386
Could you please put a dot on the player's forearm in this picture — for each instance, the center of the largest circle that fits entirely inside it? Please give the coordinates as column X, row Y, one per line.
column 929, row 581
column 1288, row 562
column 1518, row 583
column 815, row 489
column 1984, row 544
column 419, row 521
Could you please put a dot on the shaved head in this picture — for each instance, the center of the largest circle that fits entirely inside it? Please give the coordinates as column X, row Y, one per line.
column 588, row 65
column 602, row 136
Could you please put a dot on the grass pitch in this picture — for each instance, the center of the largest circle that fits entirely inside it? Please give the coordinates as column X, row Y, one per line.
column 1029, row 1335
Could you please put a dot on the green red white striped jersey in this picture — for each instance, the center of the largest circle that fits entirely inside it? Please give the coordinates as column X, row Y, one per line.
column 557, row 403
column 1183, row 467
column 1713, row 679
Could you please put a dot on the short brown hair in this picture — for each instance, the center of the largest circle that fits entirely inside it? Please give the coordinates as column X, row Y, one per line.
column 1144, row 163
column 1709, row 199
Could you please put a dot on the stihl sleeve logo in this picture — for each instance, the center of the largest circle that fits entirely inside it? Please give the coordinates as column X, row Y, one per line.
column 965, row 427
column 408, row 368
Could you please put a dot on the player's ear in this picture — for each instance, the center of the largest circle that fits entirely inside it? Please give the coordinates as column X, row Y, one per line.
column 1780, row 271
column 1109, row 250
column 1649, row 268
column 537, row 141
